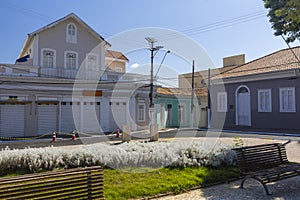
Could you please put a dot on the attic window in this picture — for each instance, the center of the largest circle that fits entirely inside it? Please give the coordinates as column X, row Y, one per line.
column 71, row 33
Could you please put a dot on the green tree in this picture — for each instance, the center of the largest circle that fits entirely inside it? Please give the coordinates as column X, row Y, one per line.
column 284, row 16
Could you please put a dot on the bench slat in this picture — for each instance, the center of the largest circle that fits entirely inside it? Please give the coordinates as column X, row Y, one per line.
column 71, row 184
column 49, row 186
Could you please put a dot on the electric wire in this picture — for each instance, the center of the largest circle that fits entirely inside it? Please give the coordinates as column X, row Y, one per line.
column 26, row 11
column 215, row 26
column 159, row 78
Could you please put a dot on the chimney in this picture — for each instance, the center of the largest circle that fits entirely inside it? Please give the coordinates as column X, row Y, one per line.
column 233, row 61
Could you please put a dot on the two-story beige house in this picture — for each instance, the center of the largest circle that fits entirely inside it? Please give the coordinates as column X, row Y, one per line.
column 61, row 82
column 115, row 61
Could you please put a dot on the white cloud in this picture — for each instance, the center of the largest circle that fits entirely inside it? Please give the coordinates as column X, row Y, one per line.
column 135, row 65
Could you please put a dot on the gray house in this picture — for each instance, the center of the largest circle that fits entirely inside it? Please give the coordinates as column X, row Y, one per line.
column 62, row 81
column 263, row 94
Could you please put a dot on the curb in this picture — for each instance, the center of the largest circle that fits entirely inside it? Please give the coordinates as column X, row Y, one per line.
column 252, row 132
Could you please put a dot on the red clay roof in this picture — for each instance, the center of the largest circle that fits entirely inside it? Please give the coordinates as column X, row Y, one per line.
column 115, row 55
column 282, row 60
column 201, row 92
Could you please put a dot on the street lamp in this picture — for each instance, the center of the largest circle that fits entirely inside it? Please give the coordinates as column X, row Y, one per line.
column 162, row 62
column 152, row 49
column 153, row 126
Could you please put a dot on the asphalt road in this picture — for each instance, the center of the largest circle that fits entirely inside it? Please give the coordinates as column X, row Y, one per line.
column 141, row 135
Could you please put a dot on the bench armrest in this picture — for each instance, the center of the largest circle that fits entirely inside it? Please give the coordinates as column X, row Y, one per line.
column 284, row 144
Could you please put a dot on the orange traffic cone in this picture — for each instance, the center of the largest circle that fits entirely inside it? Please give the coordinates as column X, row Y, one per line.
column 54, row 136
column 118, row 133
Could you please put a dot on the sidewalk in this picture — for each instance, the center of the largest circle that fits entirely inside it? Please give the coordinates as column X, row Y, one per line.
column 287, row 189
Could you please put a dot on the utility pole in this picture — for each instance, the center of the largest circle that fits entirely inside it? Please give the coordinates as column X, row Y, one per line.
column 192, row 95
column 153, row 125
column 208, row 101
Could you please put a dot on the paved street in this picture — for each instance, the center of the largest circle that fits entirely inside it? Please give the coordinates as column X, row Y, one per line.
column 144, row 136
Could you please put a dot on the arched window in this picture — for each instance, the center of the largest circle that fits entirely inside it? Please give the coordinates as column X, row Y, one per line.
column 71, row 33
column 71, row 60
column 242, row 90
column 92, row 63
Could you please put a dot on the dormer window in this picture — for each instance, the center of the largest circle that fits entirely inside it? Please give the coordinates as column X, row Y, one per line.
column 71, row 33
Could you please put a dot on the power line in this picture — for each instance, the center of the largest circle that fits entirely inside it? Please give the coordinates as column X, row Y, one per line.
column 291, row 49
column 216, row 25
column 26, row 11
column 203, row 29
column 242, row 17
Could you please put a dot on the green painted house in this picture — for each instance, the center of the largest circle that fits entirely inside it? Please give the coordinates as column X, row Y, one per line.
column 173, row 107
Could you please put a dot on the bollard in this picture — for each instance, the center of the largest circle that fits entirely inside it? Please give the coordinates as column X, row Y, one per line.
column 54, row 136
column 74, row 135
column 126, row 136
column 153, row 132
column 118, row 133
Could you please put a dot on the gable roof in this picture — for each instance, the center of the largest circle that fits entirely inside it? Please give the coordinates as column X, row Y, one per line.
column 69, row 16
column 115, row 55
column 282, row 60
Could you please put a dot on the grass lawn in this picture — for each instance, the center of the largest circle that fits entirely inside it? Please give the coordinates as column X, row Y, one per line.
column 120, row 185
column 145, row 182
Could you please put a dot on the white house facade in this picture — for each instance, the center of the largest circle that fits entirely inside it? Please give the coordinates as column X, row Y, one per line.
column 60, row 83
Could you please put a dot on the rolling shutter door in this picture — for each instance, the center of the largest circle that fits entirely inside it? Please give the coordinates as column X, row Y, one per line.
column 117, row 115
column 91, row 117
column 12, row 120
column 69, row 117
column 47, row 118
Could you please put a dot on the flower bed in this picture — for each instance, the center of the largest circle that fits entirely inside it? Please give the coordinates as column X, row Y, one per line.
column 132, row 155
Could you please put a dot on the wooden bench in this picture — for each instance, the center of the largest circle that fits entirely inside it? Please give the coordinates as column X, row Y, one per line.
column 79, row 183
column 265, row 163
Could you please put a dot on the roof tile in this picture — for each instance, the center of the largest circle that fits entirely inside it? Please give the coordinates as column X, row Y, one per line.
column 282, row 60
column 182, row 91
column 115, row 55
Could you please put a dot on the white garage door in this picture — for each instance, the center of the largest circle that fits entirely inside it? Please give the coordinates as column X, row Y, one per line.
column 12, row 120
column 70, row 114
column 47, row 118
column 118, row 115
column 91, row 117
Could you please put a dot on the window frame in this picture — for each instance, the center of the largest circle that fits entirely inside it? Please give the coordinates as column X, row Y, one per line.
column 119, row 69
column 88, row 68
column 42, row 58
column 219, row 108
column 65, row 60
column 143, row 115
column 264, row 108
column 71, row 38
column 293, row 108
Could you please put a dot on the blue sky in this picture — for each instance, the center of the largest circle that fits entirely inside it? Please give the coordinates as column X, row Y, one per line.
column 221, row 28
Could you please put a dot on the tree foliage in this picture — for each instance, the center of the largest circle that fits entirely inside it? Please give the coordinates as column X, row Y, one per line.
column 284, row 16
